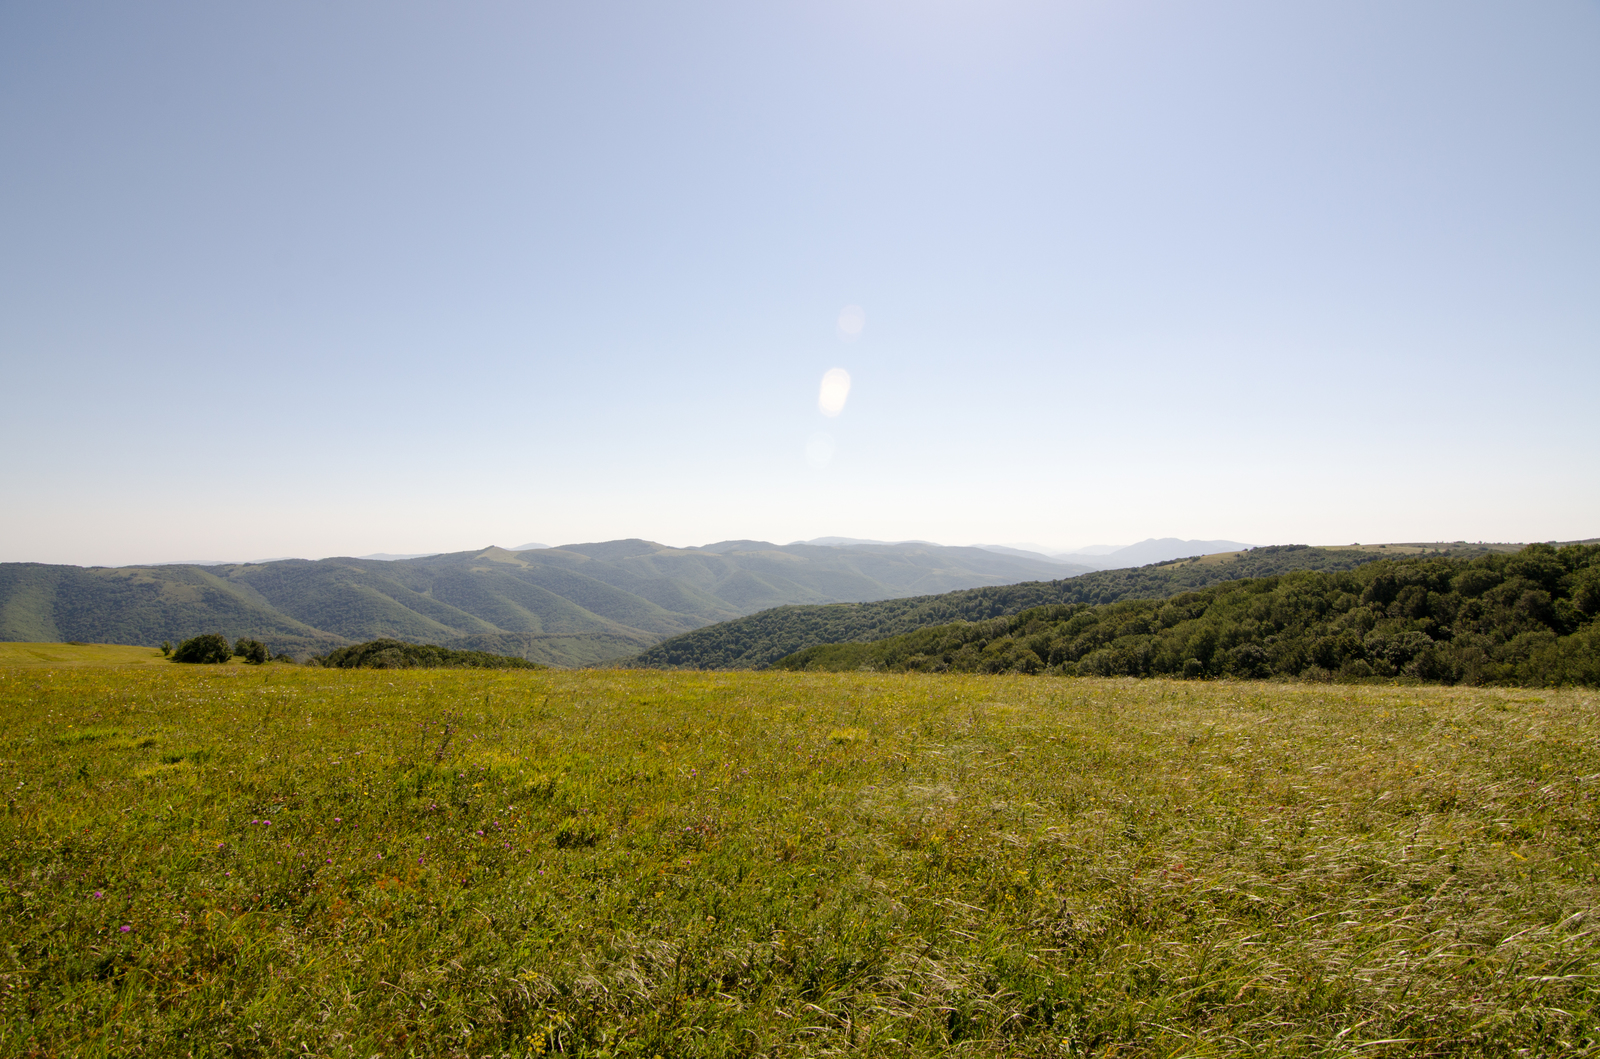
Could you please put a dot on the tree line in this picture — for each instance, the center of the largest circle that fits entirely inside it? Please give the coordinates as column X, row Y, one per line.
column 1526, row 618
column 759, row 640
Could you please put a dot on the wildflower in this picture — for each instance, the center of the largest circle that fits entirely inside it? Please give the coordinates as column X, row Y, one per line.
column 99, row 893
column 338, row 819
column 480, row 834
column 125, row 928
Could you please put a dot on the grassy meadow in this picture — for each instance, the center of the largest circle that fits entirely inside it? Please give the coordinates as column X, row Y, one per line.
column 266, row 861
column 57, row 655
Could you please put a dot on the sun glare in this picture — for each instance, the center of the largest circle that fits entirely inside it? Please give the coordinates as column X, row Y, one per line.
column 835, row 390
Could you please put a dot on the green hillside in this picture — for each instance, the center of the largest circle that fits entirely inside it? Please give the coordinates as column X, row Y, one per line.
column 1527, row 618
column 574, row 605
column 761, row 639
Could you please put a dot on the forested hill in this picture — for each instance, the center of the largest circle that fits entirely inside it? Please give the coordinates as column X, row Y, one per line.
column 1528, row 618
column 572, row 605
column 761, row 639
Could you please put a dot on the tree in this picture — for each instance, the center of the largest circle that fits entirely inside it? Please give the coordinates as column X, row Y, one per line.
column 253, row 652
column 207, row 648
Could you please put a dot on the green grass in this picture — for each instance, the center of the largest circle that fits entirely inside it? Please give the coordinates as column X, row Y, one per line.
column 67, row 654
column 693, row 864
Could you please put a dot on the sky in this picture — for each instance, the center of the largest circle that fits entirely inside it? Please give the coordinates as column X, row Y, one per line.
column 336, row 278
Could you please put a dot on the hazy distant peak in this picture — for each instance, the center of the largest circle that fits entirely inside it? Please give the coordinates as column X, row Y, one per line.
column 1025, row 553
column 530, row 547
column 851, row 542
column 723, row 547
column 613, row 550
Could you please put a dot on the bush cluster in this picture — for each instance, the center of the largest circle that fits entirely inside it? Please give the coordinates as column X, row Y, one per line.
column 207, row 648
column 252, row 651
column 212, row 648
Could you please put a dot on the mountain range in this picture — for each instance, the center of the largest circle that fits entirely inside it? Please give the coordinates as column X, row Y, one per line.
column 571, row 605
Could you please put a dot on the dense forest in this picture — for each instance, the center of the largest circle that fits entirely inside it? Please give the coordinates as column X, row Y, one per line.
column 1526, row 618
column 761, row 639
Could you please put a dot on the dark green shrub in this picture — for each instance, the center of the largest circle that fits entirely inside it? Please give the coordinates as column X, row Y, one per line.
column 208, row 648
column 252, row 651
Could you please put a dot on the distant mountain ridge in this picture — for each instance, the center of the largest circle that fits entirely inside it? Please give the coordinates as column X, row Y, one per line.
column 573, row 605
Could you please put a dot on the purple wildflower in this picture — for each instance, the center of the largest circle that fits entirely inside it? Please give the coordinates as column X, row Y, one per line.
column 125, row 928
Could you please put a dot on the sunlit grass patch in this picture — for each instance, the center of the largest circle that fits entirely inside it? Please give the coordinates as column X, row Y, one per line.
column 167, row 770
column 72, row 735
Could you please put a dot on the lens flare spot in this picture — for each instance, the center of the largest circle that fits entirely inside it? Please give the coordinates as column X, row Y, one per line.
column 835, row 391
column 852, row 320
column 819, row 451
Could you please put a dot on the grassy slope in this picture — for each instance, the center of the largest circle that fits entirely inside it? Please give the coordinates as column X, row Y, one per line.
column 642, row 863
column 64, row 654
column 761, row 639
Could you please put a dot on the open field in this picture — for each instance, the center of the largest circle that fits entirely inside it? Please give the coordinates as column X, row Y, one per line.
column 246, row 861
column 72, row 654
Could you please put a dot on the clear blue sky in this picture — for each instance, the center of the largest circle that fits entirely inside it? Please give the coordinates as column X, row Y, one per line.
column 332, row 278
